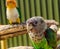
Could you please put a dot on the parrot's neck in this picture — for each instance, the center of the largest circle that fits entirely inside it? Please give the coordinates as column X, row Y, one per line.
column 36, row 37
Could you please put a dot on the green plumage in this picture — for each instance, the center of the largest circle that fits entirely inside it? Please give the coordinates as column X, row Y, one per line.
column 47, row 42
column 51, row 37
column 42, row 44
column 41, row 40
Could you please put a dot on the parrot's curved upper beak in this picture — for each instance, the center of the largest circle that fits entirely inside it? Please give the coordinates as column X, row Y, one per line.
column 30, row 27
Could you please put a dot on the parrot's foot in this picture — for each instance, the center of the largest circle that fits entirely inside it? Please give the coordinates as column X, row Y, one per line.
column 15, row 24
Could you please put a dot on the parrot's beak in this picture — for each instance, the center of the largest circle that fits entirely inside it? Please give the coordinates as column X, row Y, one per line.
column 29, row 27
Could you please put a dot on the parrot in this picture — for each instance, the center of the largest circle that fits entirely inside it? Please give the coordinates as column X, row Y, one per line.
column 12, row 12
column 42, row 36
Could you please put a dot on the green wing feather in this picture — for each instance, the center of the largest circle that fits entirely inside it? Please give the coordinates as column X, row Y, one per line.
column 51, row 38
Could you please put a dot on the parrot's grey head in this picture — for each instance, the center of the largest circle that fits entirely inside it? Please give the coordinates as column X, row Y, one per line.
column 36, row 24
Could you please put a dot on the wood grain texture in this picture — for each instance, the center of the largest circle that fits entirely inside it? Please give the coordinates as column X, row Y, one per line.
column 12, row 30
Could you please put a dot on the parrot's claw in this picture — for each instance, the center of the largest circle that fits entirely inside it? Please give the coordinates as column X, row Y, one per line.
column 16, row 25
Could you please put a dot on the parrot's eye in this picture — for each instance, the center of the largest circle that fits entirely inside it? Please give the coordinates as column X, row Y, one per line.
column 35, row 22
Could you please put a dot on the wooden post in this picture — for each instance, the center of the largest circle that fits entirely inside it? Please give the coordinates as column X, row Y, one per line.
column 4, row 44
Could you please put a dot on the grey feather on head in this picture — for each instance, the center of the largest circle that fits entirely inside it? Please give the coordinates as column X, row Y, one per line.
column 36, row 24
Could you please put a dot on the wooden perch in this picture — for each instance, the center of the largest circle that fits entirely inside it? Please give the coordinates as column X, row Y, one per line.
column 7, row 31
